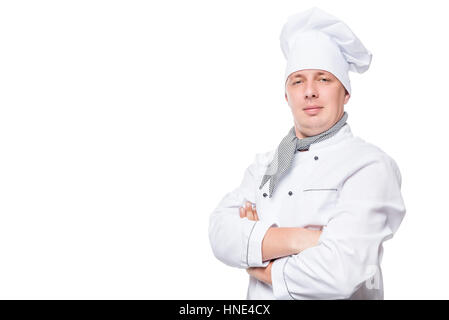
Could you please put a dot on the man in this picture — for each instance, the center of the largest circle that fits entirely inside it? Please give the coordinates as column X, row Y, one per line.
column 309, row 218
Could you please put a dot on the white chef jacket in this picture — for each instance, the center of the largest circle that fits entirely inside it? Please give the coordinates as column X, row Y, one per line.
column 344, row 186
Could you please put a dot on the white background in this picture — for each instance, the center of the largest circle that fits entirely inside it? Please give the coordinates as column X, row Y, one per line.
column 124, row 123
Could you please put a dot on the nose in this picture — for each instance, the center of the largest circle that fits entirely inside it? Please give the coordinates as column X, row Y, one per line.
column 310, row 92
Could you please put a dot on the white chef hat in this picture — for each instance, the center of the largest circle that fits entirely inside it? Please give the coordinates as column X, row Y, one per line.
column 313, row 39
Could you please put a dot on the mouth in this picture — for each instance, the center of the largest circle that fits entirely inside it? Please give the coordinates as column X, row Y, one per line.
column 312, row 110
column 312, row 107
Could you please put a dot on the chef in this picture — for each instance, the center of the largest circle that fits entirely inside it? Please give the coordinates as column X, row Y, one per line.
column 309, row 218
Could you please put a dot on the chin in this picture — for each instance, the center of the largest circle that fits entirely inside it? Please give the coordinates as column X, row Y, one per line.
column 313, row 125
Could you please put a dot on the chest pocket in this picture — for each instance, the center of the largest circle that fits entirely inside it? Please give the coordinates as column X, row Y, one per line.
column 316, row 203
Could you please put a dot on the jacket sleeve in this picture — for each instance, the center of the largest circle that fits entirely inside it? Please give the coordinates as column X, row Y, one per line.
column 237, row 241
column 369, row 210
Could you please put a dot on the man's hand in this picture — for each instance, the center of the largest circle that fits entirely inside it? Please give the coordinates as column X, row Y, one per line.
column 249, row 212
column 261, row 273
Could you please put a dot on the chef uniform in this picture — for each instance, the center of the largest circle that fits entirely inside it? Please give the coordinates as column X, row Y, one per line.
column 346, row 187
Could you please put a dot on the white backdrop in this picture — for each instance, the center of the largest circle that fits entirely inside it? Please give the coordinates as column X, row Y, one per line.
column 124, row 123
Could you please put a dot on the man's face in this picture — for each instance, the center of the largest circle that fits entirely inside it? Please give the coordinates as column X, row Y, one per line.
column 313, row 87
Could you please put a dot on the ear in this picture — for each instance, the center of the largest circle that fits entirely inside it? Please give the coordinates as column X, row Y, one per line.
column 286, row 99
column 347, row 96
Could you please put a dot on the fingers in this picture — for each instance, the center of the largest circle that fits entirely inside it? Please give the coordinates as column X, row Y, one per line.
column 248, row 211
column 256, row 217
column 242, row 212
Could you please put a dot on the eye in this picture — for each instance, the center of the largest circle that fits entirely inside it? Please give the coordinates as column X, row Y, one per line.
column 325, row 79
column 297, row 82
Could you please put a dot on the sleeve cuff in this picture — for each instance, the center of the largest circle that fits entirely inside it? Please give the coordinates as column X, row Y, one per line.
column 254, row 245
column 279, row 284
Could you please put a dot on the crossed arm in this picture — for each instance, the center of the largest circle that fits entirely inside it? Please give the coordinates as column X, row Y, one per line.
column 278, row 242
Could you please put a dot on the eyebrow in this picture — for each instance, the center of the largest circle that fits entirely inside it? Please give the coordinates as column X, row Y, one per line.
column 298, row 75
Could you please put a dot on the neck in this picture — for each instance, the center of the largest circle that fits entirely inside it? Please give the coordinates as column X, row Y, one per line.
column 300, row 135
